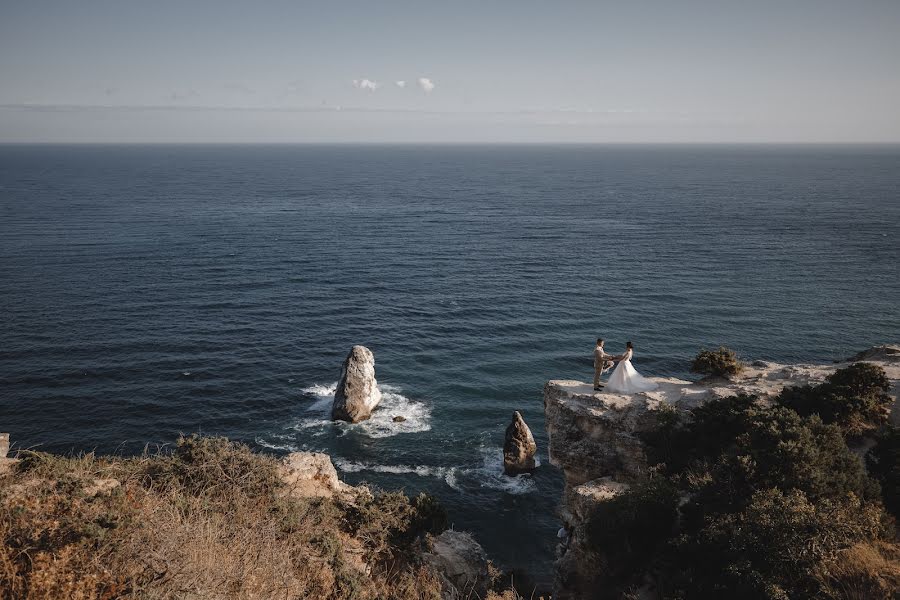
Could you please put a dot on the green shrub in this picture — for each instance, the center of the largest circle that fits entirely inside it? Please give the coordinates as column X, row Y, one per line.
column 780, row 449
column 772, row 498
column 883, row 462
column 212, row 467
column 629, row 528
column 702, row 436
column 854, row 398
column 718, row 363
column 391, row 526
column 774, row 548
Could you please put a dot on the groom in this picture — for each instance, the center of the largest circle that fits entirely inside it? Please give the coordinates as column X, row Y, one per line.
column 602, row 362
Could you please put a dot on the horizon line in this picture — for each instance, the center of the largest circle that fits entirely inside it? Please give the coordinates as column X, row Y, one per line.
column 442, row 143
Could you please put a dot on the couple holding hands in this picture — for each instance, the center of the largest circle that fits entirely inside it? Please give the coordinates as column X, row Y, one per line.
column 624, row 378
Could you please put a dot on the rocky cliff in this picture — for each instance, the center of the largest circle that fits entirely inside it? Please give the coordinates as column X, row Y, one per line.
column 595, row 439
column 212, row 515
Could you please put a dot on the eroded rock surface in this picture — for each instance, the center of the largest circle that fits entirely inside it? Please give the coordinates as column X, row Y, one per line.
column 311, row 475
column 462, row 563
column 357, row 392
column 518, row 447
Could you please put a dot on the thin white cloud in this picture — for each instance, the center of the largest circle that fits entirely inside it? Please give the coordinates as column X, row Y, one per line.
column 366, row 84
column 426, row 84
column 400, row 84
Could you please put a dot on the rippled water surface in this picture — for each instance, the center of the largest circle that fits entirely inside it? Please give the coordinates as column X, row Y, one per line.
column 152, row 290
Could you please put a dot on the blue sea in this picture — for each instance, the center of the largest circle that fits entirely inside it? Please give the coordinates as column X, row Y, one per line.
column 148, row 291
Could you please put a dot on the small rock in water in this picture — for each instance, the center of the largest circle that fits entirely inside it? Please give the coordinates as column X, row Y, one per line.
column 399, row 419
column 519, row 447
column 357, row 393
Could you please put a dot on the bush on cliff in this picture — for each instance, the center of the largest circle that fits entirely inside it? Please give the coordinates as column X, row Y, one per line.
column 632, row 526
column 775, row 548
column 711, row 428
column 883, row 463
column 209, row 520
column 776, row 506
column 779, row 449
column 855, row 398
column 722, row 362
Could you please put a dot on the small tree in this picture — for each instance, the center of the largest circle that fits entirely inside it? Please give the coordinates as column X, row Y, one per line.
column 719, row 363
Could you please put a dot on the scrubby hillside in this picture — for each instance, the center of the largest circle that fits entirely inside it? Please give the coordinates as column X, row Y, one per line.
column 209, row 520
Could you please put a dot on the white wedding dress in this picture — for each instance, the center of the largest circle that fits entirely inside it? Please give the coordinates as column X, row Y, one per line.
column 626, row 380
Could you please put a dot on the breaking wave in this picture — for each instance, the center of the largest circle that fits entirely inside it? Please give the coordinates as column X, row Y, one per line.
column 490, row 474
column 448, row 474
column 395, row 414
column 487, row 475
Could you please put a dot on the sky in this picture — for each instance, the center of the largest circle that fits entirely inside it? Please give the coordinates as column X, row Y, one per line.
column 491, row 71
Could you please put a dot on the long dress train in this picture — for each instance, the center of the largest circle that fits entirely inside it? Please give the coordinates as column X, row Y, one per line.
column 626, row 380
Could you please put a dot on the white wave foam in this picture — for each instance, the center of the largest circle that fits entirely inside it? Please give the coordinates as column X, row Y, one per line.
column 273, row 445
column 488, row 475
column 448, row 474
column 323, row 394
column 416, row 416
column 491, row 475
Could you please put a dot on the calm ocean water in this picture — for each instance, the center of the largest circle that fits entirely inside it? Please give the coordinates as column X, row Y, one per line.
column 152, row 290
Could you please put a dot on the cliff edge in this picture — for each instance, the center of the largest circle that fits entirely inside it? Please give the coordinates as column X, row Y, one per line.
column 595, row 439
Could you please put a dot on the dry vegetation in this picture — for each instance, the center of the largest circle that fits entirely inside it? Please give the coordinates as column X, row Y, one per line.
column 208, row 520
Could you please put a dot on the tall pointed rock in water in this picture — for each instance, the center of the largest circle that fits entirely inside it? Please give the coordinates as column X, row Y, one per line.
column 519, row 447
column 357, row 392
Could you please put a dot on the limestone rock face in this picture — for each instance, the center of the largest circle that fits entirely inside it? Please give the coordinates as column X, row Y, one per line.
column 357, row 392
column 518, row 447
column 595, row 435
column 462, row 563
column 311, row 475
column 595, row 438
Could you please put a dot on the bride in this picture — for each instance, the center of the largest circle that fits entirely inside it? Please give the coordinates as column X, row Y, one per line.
column 624, row 379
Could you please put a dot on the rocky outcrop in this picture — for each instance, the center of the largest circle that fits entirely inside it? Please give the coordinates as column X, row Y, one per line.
column 883, row 353
column 357, row 392
column 6, row 464
column 312, row 475
column 595, row 439
column 462, row 564
column 518, row 447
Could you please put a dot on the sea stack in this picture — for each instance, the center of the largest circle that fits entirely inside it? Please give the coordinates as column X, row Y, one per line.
column 357, row 392
column 519, row 447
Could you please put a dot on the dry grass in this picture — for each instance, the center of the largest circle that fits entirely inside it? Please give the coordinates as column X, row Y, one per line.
column 206, row 521
column 869, row 571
